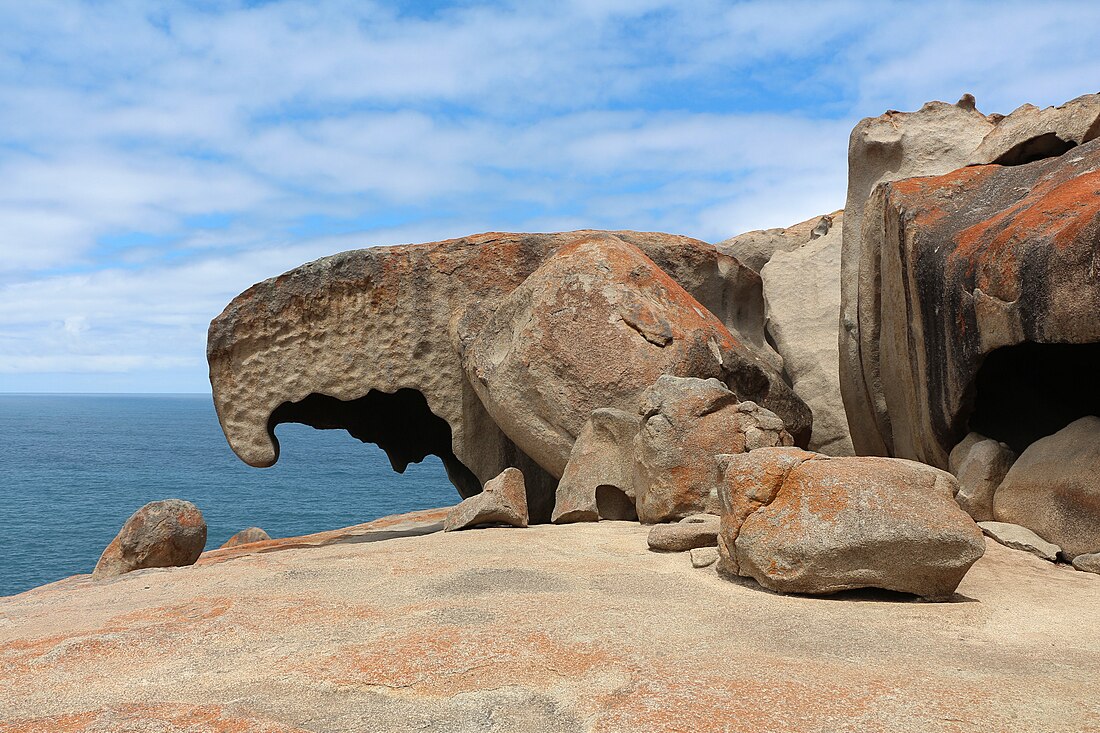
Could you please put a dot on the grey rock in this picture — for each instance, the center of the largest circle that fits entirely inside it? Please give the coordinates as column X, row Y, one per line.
column 979, row 474
column 601, row 463
column 1089, row 563
column 1020, row 538
column 504, row 501
column 697, row 530
column 703, row 557
column 756, row 248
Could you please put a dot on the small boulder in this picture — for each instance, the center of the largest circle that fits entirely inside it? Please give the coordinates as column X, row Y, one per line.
column 1020, row 538
column 686, row 422
column 162, row 534
column 1052, row 488
column 703, row 557
column 1089, row 563
column 979, row 473
column 601, row 462
column 503, row 501
column 800, row 522
column 698, row 530
column 246, row 536
column 962, row 450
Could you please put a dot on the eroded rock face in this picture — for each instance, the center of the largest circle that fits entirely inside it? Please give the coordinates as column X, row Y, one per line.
column 593, row 327
column 987, row 295
column 686, row 423
column 1031, row 133
column 369, row 341
column 601, row 462
column 1053, row 489
column 246, row 536
column 756, row 248
column 802, row 306
column 801, row 522
column 504, row 501
column 162, row 534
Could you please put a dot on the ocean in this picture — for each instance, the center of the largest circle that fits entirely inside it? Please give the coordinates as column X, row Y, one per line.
column 73, row 468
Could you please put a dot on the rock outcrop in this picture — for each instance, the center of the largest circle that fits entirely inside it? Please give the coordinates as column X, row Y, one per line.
column 986, row 294
column 369, row 341
column 1020, row 538
column 697, row 530
column 1089, row 563
column 162, row 534
column 686, row 423
column 504, row 501
column 949, row 253
column 801, row 522
column 980, row 470
column 756, row 248
column 598, row 480
column 802, row 307
column 593, row 327
column 246, row 536
column 1053, row 489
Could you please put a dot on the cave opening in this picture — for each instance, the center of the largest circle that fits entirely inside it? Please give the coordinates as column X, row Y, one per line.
column 1047, row 145
column 613, row 503
column 1030, row 390
column 400, row 423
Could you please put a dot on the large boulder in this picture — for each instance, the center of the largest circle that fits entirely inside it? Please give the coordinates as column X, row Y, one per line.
column 593, row 327
column 504, row 501
column 802, row 307
column 598, row 481
column 801, row 522
column 162, row 534
column 756, row 248
column 986, row 298
column 911, row 248
column 686, row 423
column 1053, row 489
column 368, row 341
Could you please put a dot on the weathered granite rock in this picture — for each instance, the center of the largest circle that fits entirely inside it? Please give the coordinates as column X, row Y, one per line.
column 601, row 463
column 934, row 140
column 756, row 248
column 1053, row 488
column 162, row 534
column 697, row 530
column 703, row 557
column 593, row 327
column 979, row 474
column 368, row 341
column 246, row 536
column 959, row 453
column 800, row 522
column 802, row 307
column 1089, row 563
column 1020, row 538
column 504, row 501
column 1031, row 133
column 686, row 422
column 987, row 294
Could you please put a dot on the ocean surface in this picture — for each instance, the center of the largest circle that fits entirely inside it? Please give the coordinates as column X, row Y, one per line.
column 73, row 468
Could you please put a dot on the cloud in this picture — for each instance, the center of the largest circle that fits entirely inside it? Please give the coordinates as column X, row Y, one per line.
column 156, row 159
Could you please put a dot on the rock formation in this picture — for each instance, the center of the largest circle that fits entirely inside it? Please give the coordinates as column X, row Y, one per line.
column 695, row 531
column 369, row 341
column 802, row 305
column 686, row 423
column 801, row 522
column 162, row 534
column 1053, row 488
column 1020, row 538
column 598, row 480
column 756, row 248
column 593, row 327
column 246, row 536
column 980, row 470
column 503, row 501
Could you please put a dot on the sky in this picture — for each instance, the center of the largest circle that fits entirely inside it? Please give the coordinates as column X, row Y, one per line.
column 158, row 158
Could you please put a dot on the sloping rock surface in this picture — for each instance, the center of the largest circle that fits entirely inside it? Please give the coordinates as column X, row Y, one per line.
column 800, row 522
column 450, row 632
column 593, row 327
column 602, row 461
column 1020, row 538
column 686, row 424
column 161, row 534
column 369, row 341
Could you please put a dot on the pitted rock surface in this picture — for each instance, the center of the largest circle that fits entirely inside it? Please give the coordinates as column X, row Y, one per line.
column 161, row 534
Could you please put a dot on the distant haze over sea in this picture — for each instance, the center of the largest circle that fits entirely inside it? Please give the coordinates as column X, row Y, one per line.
column 75, row 467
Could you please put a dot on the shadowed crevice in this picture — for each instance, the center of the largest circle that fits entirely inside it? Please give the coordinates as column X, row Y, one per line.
column 400, row 423
column 1048, row 145
column 613, row 503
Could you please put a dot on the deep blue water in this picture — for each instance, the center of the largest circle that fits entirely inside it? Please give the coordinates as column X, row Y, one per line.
column 74, row 467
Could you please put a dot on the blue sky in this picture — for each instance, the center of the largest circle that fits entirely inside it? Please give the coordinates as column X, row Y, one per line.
column 158, row 158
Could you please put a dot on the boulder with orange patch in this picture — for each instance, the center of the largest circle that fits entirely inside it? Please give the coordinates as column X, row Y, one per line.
column 162, row 534
column 594, row 327
column 801, row 522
